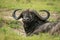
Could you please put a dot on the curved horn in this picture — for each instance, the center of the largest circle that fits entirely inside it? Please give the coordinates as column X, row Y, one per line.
column 48, row 15
column 14, row 14
column 41, row 18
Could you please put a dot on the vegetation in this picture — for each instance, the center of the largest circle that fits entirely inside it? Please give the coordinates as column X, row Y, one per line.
column 7, row 26
column 34, row 4
column 6, row 33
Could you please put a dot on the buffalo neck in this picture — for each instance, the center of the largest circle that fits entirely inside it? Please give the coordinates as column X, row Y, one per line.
column 31, row 26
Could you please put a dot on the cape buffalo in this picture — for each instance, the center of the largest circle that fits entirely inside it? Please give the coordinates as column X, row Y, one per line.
column 33, row 23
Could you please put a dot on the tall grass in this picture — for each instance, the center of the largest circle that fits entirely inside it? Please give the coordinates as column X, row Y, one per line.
column 7, row 32
column 6, row 26
column 34, row 4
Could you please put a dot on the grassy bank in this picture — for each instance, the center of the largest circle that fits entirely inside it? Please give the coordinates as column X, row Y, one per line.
column 34, row 4
column 7, row 26
column 7, row 32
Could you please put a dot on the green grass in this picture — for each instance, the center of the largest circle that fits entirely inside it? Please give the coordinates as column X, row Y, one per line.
column 34, row 4
column 6, row 26
column 10, row 23
column 7, row 32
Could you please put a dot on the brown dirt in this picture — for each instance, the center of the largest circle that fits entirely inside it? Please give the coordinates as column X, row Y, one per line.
column 7, row 15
